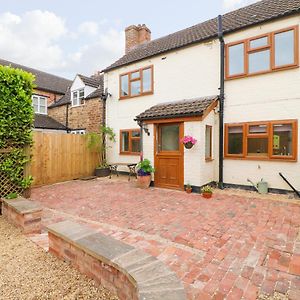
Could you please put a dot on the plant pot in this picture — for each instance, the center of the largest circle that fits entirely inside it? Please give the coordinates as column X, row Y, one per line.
column 102, row 172
column 143, row 181
column 27, row 193
column 207, row 195
column 188, row 145
column 188, row 190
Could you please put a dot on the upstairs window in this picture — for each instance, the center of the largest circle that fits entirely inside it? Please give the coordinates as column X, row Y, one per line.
column 130, row 141
column 136, row 83
column 78, row 97
column 263, row 54
column 39, row 104
column 262, row 140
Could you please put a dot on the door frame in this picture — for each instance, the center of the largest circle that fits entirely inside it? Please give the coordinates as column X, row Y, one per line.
column 179, row 154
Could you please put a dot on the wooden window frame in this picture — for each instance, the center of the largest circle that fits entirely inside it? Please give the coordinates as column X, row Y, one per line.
column 268, row 135
column 209, row 158
column 140, row 78
column 131, row 138
column 270, row 46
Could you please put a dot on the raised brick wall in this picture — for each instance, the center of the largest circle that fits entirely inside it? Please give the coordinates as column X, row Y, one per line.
column 28, row 220
column 88, row 116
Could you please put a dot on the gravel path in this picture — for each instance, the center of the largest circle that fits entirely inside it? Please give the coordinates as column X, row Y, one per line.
column 27, row 272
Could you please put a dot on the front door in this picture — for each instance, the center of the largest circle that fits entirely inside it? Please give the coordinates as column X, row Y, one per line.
column 169, row 155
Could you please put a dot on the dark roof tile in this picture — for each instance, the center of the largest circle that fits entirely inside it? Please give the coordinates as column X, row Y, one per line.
column 93, row 81
column 46, row 122
column 256, row 13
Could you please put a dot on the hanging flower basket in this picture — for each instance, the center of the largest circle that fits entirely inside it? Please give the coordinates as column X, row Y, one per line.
column 188, row 141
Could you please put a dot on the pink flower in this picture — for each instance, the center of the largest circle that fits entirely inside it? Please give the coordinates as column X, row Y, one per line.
column 188, row 139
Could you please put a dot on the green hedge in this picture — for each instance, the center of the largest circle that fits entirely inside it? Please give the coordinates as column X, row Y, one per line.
column 16, row 121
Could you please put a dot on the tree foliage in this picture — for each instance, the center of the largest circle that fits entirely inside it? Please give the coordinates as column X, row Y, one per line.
column 16, row 122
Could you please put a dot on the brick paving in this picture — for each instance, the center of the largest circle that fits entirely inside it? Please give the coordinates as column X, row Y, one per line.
column 229, row 247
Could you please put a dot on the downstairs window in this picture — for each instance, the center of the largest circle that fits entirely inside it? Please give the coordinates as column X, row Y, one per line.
column 130, row 141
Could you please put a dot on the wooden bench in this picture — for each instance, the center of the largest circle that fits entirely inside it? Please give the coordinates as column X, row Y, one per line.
column 125, row 271
column 113, row 167
column 23, row 213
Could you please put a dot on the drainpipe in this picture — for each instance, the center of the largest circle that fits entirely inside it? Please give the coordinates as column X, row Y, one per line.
column 140, row 123
column 222, row 93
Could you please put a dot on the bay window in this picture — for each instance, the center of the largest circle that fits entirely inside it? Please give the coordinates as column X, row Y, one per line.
column 263, row 54
column 262, row 140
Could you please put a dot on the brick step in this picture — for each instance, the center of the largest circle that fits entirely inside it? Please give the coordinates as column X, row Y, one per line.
column 128, row 272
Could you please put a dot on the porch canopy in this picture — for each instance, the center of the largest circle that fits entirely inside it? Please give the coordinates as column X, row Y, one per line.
column 196, row 107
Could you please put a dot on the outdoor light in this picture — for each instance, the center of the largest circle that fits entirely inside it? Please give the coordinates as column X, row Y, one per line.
column 146, row 129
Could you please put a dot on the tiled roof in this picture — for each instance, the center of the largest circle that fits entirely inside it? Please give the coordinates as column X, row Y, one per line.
column 183, row 108
column 93, row 81
column 46, row 122
column 43, row 80
column 256, row 13
column 66, row 99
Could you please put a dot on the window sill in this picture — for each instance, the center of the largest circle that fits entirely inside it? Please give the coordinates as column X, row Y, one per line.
column 129, row 153
column 261, row 158
column 209, row 159
column 135, row 96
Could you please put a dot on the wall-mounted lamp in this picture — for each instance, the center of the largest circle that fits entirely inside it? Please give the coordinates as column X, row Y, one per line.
column 105, row 95
column 146, row 129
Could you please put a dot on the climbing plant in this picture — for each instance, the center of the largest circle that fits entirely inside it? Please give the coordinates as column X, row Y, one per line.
column 16, row 122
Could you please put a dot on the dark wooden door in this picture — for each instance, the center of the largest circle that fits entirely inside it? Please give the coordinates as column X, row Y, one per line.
column 169, row 155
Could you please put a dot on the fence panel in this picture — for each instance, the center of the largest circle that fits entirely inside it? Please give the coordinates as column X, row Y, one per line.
column 59, row 157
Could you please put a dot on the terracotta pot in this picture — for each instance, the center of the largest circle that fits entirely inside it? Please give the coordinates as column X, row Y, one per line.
column 27, row 193
column 143, row 181
column 188, row 145
column 207, row 195
column 188, row 190
column 102, row 172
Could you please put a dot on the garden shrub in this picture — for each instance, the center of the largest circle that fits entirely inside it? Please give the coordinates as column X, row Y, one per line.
column 16, row 122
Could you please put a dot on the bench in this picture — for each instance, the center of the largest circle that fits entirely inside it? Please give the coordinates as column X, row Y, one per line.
column 127, row 272
column 113, row 167
column 23, row 213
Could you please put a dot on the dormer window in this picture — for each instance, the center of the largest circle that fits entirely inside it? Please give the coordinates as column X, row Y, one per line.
column 136, row 83
column 39, row 104
column 78, row 97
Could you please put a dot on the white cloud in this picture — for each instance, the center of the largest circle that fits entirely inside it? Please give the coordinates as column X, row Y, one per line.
column 234, row 4
column 41, row 39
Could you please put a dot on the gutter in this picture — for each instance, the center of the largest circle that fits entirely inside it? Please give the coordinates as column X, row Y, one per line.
column 221, row 97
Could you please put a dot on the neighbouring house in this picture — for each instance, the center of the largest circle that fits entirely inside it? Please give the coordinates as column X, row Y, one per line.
column 164, row 89
column 81, row 109
column 49, row 88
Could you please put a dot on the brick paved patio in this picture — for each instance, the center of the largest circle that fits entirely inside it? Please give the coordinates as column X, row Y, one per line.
column 233, row 247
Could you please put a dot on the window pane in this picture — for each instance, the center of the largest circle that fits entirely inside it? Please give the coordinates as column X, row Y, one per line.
column 42, row 101
column 257, row 147
column 125, row 141
column 124, row 85
column 169, row 138
column 147, row 80
column 36, row 108
column 282, row 139
column 259, row 61
column 235, row 140
column 135, row 75
column 259, row 42
column 258, row 129
column 208, row 141
column 135, row 145
column 136, row 133
column 35, row 100
column 236, row 59
column 284, row 48
column 135, row 87
column 42, row 109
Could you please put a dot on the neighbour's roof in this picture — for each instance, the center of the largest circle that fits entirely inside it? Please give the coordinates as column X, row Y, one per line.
column 66, row 99
column 46, row 122
column 43, row 80
column 93, row 81
column 183, row 108
column 256, row 13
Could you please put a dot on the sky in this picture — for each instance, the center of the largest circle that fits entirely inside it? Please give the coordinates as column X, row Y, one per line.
column 66, row 37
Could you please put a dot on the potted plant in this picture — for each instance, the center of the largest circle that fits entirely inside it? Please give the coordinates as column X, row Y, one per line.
column 188, row 188
column 207, row 191
column 188, row 141
column 25, row 184
column 97, row 142
column 144, row 171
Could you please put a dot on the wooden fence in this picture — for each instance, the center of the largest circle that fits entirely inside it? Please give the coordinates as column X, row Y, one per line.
column 59, row 157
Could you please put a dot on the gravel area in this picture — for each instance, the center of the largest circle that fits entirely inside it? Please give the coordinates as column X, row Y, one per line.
column 27, row 272
column 276, row 296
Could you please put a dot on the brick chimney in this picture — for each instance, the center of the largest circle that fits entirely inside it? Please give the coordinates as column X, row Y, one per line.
column 136, row 35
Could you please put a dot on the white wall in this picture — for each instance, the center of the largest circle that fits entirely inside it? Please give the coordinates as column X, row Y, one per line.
column 78, row 84
column 273, row 96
